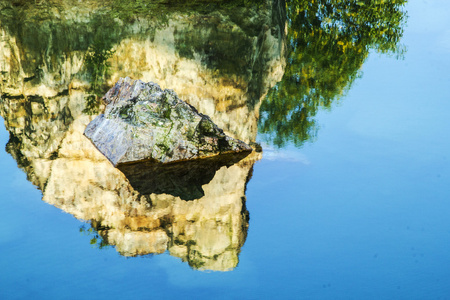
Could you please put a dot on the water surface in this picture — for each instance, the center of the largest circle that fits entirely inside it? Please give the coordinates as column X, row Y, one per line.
column 357, row 208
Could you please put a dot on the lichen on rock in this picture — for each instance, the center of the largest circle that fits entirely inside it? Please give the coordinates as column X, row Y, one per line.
column 143, row 122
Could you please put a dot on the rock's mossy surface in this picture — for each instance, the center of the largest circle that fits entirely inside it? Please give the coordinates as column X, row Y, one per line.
column 143, row 122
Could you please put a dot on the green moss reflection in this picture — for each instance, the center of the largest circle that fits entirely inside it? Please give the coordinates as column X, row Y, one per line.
column 97, row 67
column 328, row 41
column 129, row 11
column 96, row 240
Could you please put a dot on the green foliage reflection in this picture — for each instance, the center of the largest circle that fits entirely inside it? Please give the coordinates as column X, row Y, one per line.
column 327, row 41
column 96, row 63
column 96, row 240
column 97, row 66
column 131, row 10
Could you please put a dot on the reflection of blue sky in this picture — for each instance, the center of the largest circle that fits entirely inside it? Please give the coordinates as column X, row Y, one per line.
column 287, row 154
column 443, row 43
column 410, row 114
column 181, row 276
column 430, row 18
column 428, row 15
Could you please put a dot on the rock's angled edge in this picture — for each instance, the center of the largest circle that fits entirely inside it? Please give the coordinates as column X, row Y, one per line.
column 143, row 122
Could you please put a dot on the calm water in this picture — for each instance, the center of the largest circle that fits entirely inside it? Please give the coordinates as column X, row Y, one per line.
column 359, row 211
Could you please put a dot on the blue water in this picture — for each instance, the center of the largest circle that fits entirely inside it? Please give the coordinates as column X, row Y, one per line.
column 360, row 213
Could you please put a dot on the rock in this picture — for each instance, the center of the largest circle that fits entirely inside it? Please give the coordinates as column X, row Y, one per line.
column 143, row 122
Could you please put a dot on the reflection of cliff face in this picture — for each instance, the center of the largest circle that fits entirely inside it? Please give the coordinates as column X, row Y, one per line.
column 44, row 87
column 222, row 62
column 74, row 176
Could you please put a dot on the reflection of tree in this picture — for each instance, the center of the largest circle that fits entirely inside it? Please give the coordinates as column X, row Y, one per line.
column 328, row 41
column 96, row 238
column 97, row 65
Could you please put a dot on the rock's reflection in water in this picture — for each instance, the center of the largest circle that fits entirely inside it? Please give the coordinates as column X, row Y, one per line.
column 47, row 82
column 181, row 179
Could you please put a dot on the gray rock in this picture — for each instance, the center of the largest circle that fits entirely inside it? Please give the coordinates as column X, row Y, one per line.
column 143, row 122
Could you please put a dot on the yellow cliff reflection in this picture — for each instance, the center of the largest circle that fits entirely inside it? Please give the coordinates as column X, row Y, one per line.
column 217, row 61
column 73, row 176
column 207, row 232
column 54, row 65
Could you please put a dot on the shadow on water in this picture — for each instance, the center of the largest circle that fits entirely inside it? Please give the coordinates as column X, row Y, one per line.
column 180, row 179
column 327, row 44
column 226, row 60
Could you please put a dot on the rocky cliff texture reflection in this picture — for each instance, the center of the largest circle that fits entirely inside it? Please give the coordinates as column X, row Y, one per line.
column 222, row 62
column 53, row 60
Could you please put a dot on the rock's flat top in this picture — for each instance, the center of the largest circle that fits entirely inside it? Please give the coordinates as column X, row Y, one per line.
column 143, row 122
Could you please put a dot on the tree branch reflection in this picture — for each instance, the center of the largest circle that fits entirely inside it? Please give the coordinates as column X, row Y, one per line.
column 328, row 41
